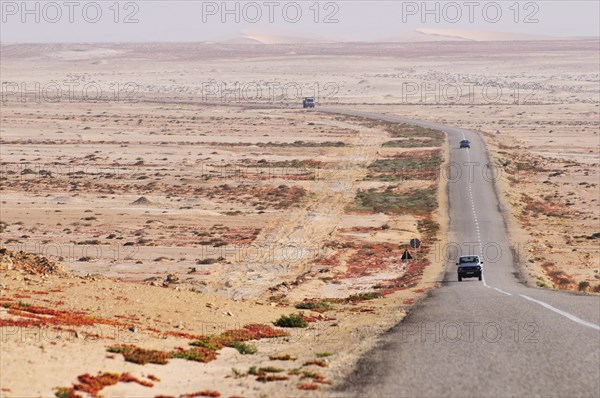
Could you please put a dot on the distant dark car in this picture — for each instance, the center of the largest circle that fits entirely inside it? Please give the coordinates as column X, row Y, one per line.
column 308, row 102
column 469, row 267
column 465, row 144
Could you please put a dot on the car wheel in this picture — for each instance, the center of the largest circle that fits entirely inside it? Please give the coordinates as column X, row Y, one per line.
column 460, row 278
column 480, row 276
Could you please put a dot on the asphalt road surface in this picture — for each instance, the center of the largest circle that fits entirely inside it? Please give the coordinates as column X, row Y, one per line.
column 490, row 338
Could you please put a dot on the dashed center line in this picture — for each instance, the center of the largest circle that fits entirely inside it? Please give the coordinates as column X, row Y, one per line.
column 543, row 304
column 503, row 292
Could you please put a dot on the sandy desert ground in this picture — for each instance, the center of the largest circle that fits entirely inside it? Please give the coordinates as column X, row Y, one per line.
column 182, row 213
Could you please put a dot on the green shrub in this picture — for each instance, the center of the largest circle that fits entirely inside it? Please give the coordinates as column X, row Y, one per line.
column 291, row 321
column 311, row 305
column 245, row 349
column 323, row 354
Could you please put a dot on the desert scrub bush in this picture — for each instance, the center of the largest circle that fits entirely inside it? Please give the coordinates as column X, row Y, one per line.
column 402, row 130
column 291, row 321
column 323, row 354
column 231, row 337
column 414, row 201
column 415, row 165
column 270, row 369
column 90, row 242
column 198, row 354
column 303, row 144
column 363, row 296
column 139, row 355
column 428, row 227
column 237, row 374
column 583, row 286
column 317, row 362
column 282, row 357
column 312, row 305
column 204, row 393
column 244, row 348
column 264, row 378
column 414, row 143
column 66, row 392
column 207, row 342
column 316, row 377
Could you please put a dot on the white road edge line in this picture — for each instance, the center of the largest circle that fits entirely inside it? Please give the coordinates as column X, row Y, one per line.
column 483, row 280
column 502, row 291
column 563, row 313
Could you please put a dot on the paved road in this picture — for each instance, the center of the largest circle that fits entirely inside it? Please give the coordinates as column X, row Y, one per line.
column 490, row 338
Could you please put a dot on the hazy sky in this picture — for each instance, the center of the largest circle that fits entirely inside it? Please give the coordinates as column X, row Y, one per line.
column 135, row 21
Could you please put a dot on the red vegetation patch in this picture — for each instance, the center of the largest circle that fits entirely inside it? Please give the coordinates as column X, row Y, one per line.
column 316, row 377
column 278, row 197
column 331, row 261
column 312, row 318
column 94, row 384
column 37, row 316
column 317, row 362
column 248, row 332
column 410, row 278
column 308, row 387
column 205, row 346
column 372, row 258
column 546, row 207
column 559, row 277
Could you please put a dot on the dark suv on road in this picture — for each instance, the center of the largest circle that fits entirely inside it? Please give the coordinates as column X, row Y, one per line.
column 469, row 267
column 465, row 144
column 308, row 102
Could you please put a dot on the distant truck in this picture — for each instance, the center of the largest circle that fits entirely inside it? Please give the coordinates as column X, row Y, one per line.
column 469, row 267
column 308, row 102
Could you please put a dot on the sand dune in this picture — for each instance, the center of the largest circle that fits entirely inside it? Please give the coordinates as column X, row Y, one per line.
column 275, row 39
column 421, row 35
